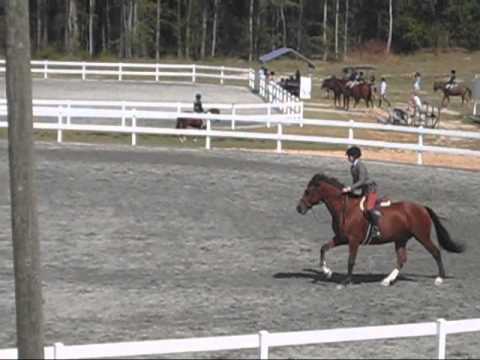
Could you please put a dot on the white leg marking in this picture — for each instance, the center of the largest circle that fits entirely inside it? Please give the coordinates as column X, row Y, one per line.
column 390, row 278
column 438, row 281
column 326, row 270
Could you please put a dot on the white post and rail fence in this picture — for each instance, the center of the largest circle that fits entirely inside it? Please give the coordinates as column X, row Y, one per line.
column 263, row 341
column 137, row 118
column 271, row 92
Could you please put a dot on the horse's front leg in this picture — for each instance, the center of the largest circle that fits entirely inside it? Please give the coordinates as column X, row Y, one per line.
column 352, row 255
column 323, row 263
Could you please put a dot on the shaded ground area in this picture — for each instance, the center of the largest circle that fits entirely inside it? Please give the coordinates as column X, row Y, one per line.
column 158, row 243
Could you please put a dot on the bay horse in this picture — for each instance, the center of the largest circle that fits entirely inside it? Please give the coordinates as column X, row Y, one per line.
column 458, row 90
column 358, row 92
column 192, row 123
column 399, row 222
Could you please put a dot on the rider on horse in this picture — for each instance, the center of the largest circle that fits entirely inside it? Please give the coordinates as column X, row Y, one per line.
column 368, row 188
column 197, row 105
column 452, row 81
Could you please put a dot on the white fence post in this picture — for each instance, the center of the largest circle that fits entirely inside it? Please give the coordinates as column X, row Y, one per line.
column 57, row 350
column 69, row 107
column 441, row 338
column 222, row 74
column 234, row 111
column 45, row 69
column 120, row 71
column 279, row 140
column 207, row 138
column 301, row 113
column 123, row 113
column 157, row 76
column 193, row 73
column 419, row 152
column 59, row 131
column 263, row 342
column 350, row 130
column 84, row 70
column 134, row 125
column 269, row 113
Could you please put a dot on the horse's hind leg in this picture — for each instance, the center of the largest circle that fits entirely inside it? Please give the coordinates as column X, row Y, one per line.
column 427, row 242
column 401, row 250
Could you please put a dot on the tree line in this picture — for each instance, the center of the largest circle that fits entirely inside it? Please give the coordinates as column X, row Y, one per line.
column 199, row 29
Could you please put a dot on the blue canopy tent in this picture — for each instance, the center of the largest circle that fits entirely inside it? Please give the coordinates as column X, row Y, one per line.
column 283, row 51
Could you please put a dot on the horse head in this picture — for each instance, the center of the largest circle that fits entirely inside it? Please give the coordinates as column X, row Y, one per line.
column 319, row 189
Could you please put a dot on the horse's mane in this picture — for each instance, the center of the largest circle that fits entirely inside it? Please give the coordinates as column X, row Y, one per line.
column 317, row 178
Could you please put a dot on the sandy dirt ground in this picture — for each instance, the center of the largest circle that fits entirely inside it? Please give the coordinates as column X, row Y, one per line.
column 156, row 243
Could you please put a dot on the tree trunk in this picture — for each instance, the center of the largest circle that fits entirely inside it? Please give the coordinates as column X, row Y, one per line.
column 214, row 27
column 300, row 26
column 345, row 35
column 26, row 245
column 188, row 29
column 72, row 34
column 325, row 17
column 91, row 12
column 157, row 30
column 284, row 24
column 250, row 31
column 107, row 24
column 390, row 26
column 179, row 29
column 203, row 44
column 337, row 12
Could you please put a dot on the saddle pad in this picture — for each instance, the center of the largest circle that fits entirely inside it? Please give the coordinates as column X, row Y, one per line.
column 383, row 203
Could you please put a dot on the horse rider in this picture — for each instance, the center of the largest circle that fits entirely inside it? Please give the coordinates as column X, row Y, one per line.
column 197, row 105
column 452, row 81
column 353, row 79
column 366, row 186
column 416, row 83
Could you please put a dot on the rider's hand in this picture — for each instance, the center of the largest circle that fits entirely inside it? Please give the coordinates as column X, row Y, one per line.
column 346, row 190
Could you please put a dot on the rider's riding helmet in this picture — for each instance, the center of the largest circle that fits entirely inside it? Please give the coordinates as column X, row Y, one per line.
column 453, row 71
column 354, row 152
column 198, row 96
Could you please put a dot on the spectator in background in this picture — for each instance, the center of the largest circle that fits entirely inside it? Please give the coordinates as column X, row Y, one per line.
column 417, row 81
column 383, row 93
column 197, row 105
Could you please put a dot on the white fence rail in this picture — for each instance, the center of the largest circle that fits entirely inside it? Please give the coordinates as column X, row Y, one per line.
column 155, row 72
column 262, row 341
column 127, row 119
column 271, row 93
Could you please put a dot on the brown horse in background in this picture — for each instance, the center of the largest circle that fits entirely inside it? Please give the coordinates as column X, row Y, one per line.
column 358, row 92
column 192, row 123
column 336, row 86
column 457, row 90
column 399, row 222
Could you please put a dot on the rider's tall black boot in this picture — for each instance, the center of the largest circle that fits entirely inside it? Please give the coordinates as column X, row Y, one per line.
column 374, row 217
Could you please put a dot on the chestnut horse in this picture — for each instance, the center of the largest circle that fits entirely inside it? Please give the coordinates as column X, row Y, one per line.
column 399, row 222
column 457, row 90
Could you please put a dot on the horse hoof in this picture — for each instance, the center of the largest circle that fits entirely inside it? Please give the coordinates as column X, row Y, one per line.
column 327, row 272
column 340, row 286
column 386, row 282
column 438, row 281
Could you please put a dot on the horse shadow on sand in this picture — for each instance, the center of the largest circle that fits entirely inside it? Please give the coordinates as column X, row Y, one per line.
column 317, row 276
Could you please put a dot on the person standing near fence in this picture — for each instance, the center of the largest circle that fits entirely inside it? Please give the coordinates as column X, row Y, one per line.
column 417, row 81
column 383, row 93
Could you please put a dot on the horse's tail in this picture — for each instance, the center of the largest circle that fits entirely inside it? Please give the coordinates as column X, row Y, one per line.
column 443, row 236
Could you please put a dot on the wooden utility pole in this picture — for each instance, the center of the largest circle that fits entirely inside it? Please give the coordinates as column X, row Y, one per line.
column 26, row 246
